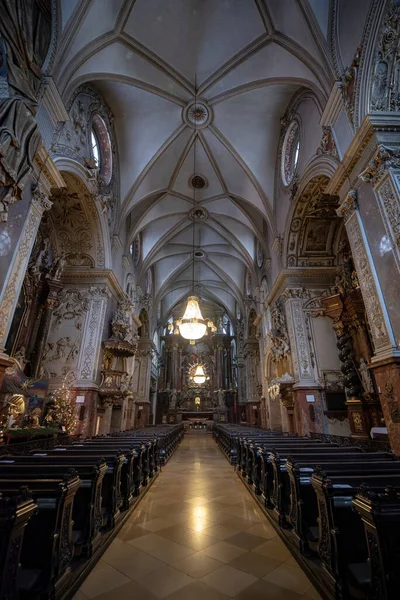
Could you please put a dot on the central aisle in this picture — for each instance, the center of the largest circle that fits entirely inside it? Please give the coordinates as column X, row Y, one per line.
column 197, row 534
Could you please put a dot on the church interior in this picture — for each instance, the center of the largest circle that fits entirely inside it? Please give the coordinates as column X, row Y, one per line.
column 199, row 310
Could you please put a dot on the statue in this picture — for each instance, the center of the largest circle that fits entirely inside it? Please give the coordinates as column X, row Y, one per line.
column 20, row 357
column 25, row 32
column 221, row 398
column 365, row 377
column 121, row 326
column 62, row 345
column 174, row 398
column 59, row 266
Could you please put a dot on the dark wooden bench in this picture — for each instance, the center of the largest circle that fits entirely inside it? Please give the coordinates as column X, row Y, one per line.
column 15, row 512
column 87, row 511
column 341, row 544
column 111, row 487
column 380, row 514
column 47, row 549
column 108, row 454
column 279, row 498
column 302, row 506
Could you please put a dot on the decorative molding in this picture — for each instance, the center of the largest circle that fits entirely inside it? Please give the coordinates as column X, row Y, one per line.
column 384, row 85
column 327, row 145
column 389, row 205
column 348, row 206
column 53, row 102
column 384, row 159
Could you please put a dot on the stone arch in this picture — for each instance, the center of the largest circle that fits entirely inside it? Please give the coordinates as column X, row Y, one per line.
column 312, row 226
column 87, row 224
column 76, row 230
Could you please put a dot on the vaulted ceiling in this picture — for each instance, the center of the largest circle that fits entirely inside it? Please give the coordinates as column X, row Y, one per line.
column 243, row 60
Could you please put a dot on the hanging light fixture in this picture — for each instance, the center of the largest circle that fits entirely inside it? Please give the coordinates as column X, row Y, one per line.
column 192, row 326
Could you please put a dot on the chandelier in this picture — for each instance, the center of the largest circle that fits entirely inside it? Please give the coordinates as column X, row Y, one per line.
column 192, row 326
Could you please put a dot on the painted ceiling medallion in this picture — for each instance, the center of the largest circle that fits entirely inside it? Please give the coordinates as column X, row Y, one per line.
column 198, row 182
column 197, row 114
column 198, row 214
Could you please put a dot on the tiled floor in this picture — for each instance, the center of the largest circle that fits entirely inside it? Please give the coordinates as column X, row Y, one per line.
column 196, row 535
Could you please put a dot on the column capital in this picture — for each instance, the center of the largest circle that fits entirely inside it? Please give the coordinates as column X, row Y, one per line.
column 385, row 158
column 40, row 199
column 349, row 205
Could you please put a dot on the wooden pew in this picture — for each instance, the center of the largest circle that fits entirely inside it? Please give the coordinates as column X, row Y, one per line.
column 15, row 513
column 87, row 512
column 342, row 545
column 380, row 514
column 47, row 549
column 281, row 481
column 303, row 509
column 108, row 454
column 111, row 487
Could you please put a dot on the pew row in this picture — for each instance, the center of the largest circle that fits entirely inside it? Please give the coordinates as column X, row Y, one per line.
column 314, row 494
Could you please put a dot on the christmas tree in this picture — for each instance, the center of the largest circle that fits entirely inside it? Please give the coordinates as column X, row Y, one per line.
column 64, row 412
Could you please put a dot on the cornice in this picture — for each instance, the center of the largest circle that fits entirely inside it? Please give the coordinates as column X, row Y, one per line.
column 94, row 277
column 375, row 128
column 333, row 106
column 46, row 171
column 301, row 277
column 53, row 102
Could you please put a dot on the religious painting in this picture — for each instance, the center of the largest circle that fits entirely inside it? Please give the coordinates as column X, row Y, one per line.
column 316, row 235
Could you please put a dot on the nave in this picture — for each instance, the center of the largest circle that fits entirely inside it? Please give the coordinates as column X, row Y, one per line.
column 197, row 534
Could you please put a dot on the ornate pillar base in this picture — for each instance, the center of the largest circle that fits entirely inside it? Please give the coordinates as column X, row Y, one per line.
column 387, row 378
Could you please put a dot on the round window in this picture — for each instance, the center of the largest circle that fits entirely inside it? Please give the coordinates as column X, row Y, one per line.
column 290, row 152
column 101, row 147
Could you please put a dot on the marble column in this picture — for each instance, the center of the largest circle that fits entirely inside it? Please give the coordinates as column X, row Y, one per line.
column 51, row 303
column 307, row 402
column 141, row 383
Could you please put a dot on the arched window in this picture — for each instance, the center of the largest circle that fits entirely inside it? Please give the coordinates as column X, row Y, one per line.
column 95, row 147
column 101, row 147
column 290, row 152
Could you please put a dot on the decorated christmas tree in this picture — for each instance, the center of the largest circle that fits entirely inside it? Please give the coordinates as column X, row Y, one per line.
column 64, row 412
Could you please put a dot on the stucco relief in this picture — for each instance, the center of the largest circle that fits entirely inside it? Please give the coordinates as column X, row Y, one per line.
column 389, row 206
column 327, row 145
column 77, row 225
column 300, row 339
column 72, row 139
column 385, row 85
column 347, row 84
column 88, row 361
column 385, row 158
column 313, row 227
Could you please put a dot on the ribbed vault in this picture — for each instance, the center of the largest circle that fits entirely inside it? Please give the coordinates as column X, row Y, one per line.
column 248, row 60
